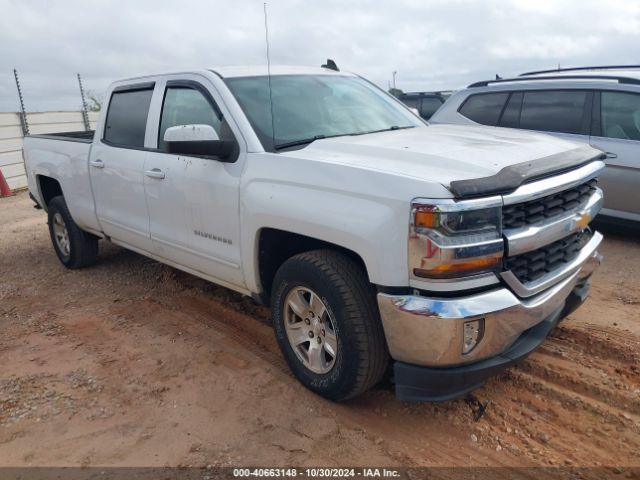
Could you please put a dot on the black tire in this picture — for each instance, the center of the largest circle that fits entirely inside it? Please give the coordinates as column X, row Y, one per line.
column 83, row 246
column 342, row 285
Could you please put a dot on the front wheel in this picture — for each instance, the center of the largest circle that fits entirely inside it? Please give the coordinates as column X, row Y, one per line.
column 74, row 247
column 327, row 324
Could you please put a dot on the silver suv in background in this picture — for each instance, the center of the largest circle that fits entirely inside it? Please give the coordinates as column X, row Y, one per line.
column 599, row 106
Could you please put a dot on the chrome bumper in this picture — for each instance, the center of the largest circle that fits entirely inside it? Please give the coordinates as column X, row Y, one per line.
column 429, row 331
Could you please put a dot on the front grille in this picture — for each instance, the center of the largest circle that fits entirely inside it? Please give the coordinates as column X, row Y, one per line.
column 515, row 216
column 532, row 265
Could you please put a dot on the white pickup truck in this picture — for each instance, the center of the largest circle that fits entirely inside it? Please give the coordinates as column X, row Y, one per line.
column 452, row 250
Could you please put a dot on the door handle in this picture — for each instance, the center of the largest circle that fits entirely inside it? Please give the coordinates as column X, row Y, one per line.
column 154, row 173
column 97, row 163
column 611, row 155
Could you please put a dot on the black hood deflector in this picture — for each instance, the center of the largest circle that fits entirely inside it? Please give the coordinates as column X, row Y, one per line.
column 510, row 178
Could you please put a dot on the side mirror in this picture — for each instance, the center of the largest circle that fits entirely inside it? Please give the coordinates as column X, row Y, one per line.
column 197, row 140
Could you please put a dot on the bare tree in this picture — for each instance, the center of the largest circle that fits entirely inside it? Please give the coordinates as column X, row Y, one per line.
column 95, row 101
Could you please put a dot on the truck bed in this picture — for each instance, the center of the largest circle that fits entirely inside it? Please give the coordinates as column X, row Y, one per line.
column 63, row 157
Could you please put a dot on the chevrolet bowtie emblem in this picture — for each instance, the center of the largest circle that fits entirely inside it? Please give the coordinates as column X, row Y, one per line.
column 583, row 219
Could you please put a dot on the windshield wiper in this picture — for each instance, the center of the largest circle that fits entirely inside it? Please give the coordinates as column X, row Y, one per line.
column 394, row 127
column 303, row 141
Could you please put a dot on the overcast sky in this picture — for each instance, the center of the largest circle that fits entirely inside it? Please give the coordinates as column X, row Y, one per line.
column 432, row 44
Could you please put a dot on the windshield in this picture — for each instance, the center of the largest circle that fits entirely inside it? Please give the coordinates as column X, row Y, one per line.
column 308, row 107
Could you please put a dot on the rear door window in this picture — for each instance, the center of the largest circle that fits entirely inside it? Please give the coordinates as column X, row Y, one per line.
column 620, row 114
column 127, row 117
column 484, row 108
column 554, row 111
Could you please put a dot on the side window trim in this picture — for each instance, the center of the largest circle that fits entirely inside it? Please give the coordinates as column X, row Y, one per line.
column 596, row 117
column 133, row 87
column 504, row 107
column 518, row 95
column 587, row 112
column 196, row 86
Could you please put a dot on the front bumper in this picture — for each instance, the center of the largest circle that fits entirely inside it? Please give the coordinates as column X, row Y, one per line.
column 415, row 383
column 425, row 335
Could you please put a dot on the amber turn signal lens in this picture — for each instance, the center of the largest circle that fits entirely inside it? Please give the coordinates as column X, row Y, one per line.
column 426, row 219
column 457, row 269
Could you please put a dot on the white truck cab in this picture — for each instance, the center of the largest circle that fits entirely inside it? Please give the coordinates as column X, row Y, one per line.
column 453, row 250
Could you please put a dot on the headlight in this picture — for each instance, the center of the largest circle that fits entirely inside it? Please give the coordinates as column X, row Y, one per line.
column 449, row 239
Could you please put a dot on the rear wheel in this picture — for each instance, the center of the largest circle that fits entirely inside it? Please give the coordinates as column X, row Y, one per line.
column 327, row 324
column 74, row 247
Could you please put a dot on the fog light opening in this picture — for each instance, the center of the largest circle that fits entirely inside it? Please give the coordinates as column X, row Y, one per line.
column 472, row 333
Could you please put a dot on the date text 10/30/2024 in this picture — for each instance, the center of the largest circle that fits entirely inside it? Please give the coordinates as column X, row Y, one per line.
column 315, row 472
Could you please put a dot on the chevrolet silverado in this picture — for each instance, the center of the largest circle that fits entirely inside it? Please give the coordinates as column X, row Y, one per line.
column 450, row 251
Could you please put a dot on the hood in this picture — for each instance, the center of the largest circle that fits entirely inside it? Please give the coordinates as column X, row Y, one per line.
column 437, row 153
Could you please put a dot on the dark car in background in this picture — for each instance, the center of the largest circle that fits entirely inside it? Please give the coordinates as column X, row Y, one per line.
column 426, row 103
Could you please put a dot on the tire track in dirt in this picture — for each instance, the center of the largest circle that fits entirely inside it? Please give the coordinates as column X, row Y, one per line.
column 554, row 388
column 572, row 399
column 565, row 427
column 602, row 342
column 235, row 325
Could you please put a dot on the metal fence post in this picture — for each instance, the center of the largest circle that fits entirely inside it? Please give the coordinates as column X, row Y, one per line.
column 23, row 114
column 85, row 113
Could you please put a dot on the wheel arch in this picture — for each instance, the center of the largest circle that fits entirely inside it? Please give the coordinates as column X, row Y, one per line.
column 275, row 246
column 48, row 187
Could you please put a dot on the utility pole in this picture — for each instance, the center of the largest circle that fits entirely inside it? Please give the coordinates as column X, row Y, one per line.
column 85, row 114
column 394, row 79
column 23, row 114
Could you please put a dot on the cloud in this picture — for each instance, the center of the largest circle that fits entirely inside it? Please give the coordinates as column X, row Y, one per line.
column 434, row 44
column 560, row 47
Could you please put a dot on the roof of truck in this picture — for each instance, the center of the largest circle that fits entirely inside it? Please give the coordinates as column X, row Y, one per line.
column 257, row 70
column 245, row 71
